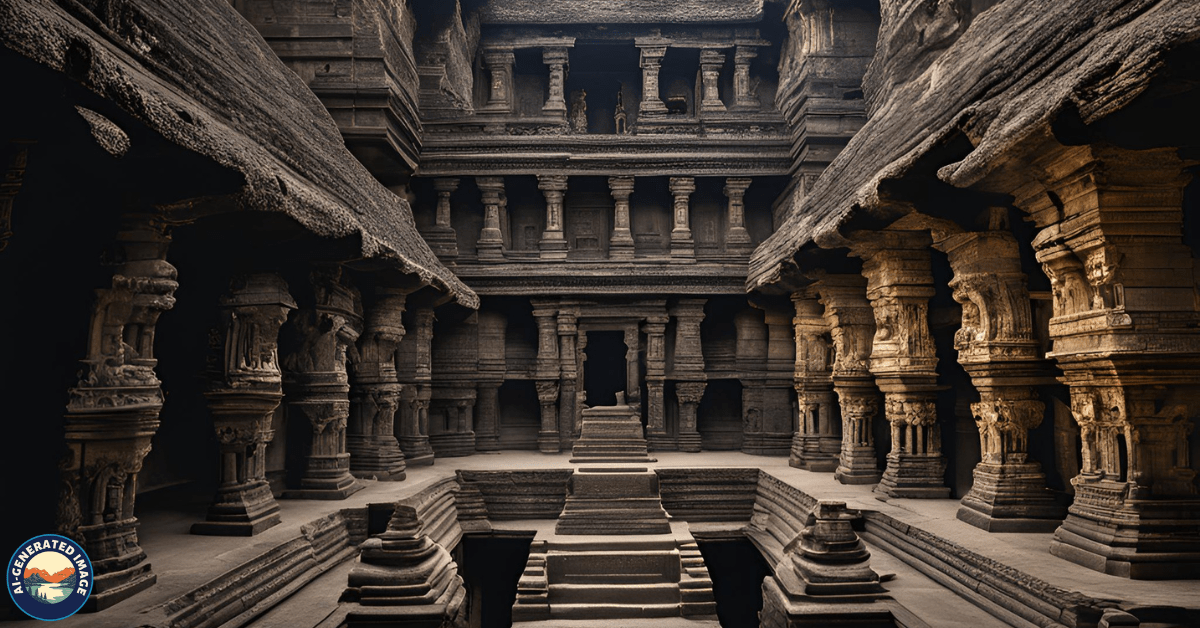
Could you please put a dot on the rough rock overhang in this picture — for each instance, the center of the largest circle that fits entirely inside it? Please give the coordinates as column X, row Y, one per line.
column 202, row 77
column 622, row 11
column 1015, row 69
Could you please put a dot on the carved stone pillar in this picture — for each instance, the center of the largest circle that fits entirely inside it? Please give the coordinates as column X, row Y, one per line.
column 553, row 244
column 1124, row 334
column 817, row 443
column 375, row 392
column 737, row 239
column 317, row 386
column 633, row 377
column 452, row 421
column 547, row 375
column 490, row 246
column 688, row 369
column 499, row 64
column 413, row 435
column 441, row 236
column 996, row 346
column 655, row 329
column 113, row 413
column 652, row 56
column 245, row 391
column 744, row 97
column 682, row 245
column 570, row 355
column 491, row 376
column 556, row 100
column 620, row 244
column 851, row 328
column 710, row 77
column 903, row 360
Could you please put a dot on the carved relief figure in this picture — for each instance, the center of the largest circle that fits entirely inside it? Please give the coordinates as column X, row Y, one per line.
column 579, row 121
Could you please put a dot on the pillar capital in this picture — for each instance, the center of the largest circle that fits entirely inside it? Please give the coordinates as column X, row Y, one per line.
column 552, row 182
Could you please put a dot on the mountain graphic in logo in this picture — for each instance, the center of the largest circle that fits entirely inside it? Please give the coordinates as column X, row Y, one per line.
column 49, row 577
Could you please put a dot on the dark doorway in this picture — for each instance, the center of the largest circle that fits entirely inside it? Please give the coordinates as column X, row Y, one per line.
column 604, row 370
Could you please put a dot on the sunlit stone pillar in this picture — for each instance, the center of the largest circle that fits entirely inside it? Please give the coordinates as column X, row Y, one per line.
column 375, row 392
column 817, row 443
column 441, row 236
column 317, row 387
column 242, row 398
column 547, row 375
column 744, row 97
column 655, row 329
column 413, row 433
column 499, row 64
column 903, row 360
column 737, row 238
column 113, row 412
column 553, row 244
column 620, row 244
column 710, row 77
column 490, row 246
column 688, row 369
column 570, row 353
column 682, row 245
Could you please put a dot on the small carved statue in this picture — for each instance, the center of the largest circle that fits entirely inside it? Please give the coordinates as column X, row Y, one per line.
column 579, row 122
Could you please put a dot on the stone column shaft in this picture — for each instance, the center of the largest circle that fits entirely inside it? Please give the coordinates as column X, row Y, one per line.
column 899, row 285
column 556, row 100
column 375, row 392
column 816, row 445
column 633, row 379
column 652, row 56
column 441, row 236
column 655, row 329
column 547, row 375
column 620, row 244
column 553, row 244
column 743, row 94
column 737, row 238
column 317, row 385
column 413, row 435
column 570, row 355
column 499, row 65
column 682, row 245
column 688, row 369
column 242, row 398
column 710, row 77
column 490, row 247
column 113, row 412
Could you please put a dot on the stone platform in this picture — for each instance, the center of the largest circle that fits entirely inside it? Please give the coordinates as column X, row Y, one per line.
column 600, row 577
column 610, row 434
column 613, row 500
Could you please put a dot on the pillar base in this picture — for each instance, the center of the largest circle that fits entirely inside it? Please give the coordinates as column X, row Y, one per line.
column 620, row 245
column 124, row 572
column 487, row 443
column 660, row 442
column 375, row 458
column 417, row 452
column 242, row 510
column 814, row 453
column 689, row 442
column 914, row 476
column 453, row 444
column 857, row 466
column 1151, row 539
column 327, row 477
column 767, row 443
column 552, row 249
column 490, row 252
column 1011, row 497
column 548, row 442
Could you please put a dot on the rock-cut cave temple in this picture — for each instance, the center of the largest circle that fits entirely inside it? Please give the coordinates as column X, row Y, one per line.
column 568, row 313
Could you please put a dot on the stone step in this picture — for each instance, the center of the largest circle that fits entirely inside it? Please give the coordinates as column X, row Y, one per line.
column 613, row 611
column 613, row 567
column 615, row 594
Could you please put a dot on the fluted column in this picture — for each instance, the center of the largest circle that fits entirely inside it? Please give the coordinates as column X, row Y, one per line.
column 375, row 392
column 899, row 286
column 737, row 238
column 682, row 245
column 113, row 412
column 490, row 246
column 317, row 385
column 553, row 244
column 556, row 100
column 242, row 398
column 652, row 56
column 710, row 77
column 620, row 244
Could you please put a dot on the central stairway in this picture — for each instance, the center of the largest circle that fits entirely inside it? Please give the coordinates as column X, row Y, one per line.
column 614, row 553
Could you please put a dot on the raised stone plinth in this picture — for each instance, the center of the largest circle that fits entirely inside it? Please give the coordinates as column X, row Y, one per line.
column 585, row 577
column 610, row 434
column 1011, row 497
column 620, row 501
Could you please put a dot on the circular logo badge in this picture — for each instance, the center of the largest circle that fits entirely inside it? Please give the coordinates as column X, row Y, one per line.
column 49, row 577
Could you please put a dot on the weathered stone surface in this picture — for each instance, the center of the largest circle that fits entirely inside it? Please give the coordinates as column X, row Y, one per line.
column 612, row 501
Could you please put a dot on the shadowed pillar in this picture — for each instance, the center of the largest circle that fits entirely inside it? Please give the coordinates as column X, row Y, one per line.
column 375, row 392
column 620, row 244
